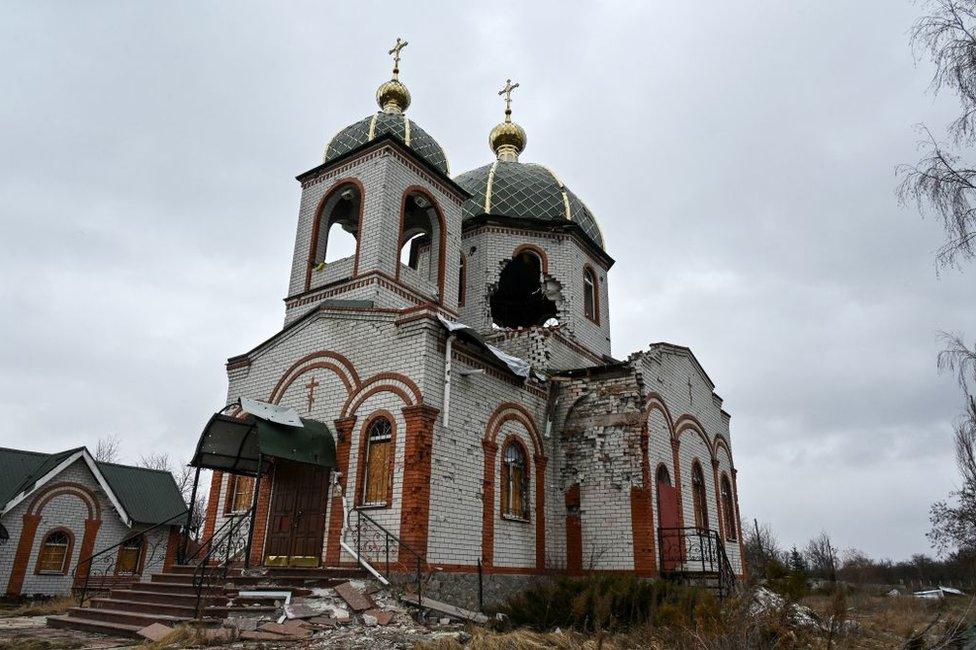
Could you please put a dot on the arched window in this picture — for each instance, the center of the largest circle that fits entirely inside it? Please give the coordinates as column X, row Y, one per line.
column 591, row 303
column 728, row 509
column 55, row 553
column 378, row 463
column 336, row 230
column 699, row 496
column 462, row 281
column 130, row 556
column 420, row 239
column 515, row 482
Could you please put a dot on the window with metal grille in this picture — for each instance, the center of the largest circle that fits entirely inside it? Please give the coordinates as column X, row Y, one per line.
column 379, row 463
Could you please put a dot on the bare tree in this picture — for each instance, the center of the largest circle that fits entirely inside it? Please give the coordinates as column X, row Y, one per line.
column 821, row 554
column 183, row 475
column 942, row 181
column 761, row 548
column 107, row 449
column 954, row 520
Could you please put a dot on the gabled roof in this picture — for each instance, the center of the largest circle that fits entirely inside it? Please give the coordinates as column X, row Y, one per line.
column 140, row 495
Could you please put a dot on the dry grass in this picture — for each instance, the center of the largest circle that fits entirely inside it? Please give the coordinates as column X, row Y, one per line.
column 186, row 636
column 881, row 622
column 47, row 607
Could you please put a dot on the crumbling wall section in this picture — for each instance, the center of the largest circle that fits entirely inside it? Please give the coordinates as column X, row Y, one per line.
column 597, row 446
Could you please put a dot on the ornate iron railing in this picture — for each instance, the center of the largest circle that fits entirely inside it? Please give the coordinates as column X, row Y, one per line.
column 102, row 571
column 695, row 552
column 380, row 551
column 223, row 550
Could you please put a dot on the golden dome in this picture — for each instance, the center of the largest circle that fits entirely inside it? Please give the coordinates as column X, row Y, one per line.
column 508, row 139
column 393, row 96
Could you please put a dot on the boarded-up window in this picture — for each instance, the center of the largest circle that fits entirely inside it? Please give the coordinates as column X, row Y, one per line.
column 728, row 509
column 379, row 462
column 53, row 557
column 515, row 482
column 589, row 295
column 699, row 496
column 129, row 555
column 243, row 493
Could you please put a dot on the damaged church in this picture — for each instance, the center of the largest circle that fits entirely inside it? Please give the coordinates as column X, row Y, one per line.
column 442, row 401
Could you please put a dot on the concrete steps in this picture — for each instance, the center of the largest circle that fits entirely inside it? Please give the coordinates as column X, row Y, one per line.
column 171, row 598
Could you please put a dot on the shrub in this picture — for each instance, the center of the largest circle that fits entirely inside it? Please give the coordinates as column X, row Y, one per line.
column 611, row 603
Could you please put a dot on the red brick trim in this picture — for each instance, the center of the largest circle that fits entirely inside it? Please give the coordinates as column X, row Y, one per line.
column 540, row 511
column 462, row 281
column 53, row 490
column 507, row 411
column 415, row 497
column 210, row 522
column 383, row 379
column 653, row 402
column 66, row 563
column 22, row 556
column 262, row 512
column 442, row 243
column 87, row 548
column 532, row 248
column 346, row 372
column 344, row 428
column 361, row 457
column 722, row 443
column 690, row 422
column 337, row 187
column 574, row 531
column 172, row 546
column 718, row 500
column 488, row 506
column 675, row 459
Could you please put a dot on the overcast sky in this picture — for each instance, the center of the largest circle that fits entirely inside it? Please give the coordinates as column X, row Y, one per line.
column 740, row 158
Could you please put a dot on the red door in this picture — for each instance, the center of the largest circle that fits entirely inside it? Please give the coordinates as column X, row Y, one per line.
column 574, row 532
column 668, row 522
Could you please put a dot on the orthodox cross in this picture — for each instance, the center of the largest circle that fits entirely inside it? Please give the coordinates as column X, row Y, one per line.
column 507, row 91
column 396, row 55
column 311, row 386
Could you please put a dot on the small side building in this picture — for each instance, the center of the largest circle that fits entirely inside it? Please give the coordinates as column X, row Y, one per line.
column 59, row 510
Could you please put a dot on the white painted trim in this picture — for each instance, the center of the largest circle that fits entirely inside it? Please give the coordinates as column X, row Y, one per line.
column 63, row 465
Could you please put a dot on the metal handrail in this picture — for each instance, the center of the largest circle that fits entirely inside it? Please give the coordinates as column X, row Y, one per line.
column 680, row 549
column 204, row 544
column 87, row 562
column 387, row 538
column 200, row 573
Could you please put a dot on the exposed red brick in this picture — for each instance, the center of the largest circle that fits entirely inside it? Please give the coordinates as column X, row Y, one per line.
column 415, row 499
column 344, row 429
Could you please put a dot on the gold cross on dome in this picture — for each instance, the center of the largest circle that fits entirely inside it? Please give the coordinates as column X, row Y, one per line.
column 507, row 91
column 400, row 44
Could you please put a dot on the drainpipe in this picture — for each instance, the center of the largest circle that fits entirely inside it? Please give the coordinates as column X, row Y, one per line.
column 447, row 378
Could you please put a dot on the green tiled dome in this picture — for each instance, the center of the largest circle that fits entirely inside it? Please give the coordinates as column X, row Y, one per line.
column 396, row 124
column 524, row 190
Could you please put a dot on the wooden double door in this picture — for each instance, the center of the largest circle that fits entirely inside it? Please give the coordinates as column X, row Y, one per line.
column 296, row 524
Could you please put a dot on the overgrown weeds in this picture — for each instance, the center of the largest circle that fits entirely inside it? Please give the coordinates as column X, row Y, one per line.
column 186, row 636
column 43, row 607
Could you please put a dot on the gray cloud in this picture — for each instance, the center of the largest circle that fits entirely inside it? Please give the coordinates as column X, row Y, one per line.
column 740, row 161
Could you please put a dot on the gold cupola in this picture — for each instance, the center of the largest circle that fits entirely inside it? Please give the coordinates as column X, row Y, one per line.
column 392, row 96
column 507, row 139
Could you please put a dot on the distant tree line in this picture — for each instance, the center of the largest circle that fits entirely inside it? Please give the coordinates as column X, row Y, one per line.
column 821, row 560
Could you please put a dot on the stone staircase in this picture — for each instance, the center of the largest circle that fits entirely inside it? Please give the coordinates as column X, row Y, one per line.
column 170, row 598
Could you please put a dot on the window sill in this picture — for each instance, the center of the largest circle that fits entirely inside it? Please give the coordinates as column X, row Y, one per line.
column 372, row 506
column 52, row 573
column 518, row 520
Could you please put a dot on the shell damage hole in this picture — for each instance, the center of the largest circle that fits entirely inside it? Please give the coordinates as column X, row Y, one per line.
column 522, row 297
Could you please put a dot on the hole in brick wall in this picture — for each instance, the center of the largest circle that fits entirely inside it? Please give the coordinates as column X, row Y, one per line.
column 523, row 298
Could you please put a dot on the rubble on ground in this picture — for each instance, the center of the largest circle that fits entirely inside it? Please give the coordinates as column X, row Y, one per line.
column 356, row 613
column 766, row 601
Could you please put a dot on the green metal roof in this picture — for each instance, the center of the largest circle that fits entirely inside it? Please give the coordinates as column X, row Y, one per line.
column 398, row 125
column 525, row 191
column 148, row 496
column 231, row 444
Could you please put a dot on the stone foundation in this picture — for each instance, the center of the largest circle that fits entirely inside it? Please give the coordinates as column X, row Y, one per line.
column 461, row 589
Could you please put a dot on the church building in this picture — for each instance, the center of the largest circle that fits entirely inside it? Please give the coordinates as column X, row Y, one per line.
column 442, row 395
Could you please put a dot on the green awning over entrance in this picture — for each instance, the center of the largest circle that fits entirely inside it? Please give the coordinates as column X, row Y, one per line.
column 236, row 445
